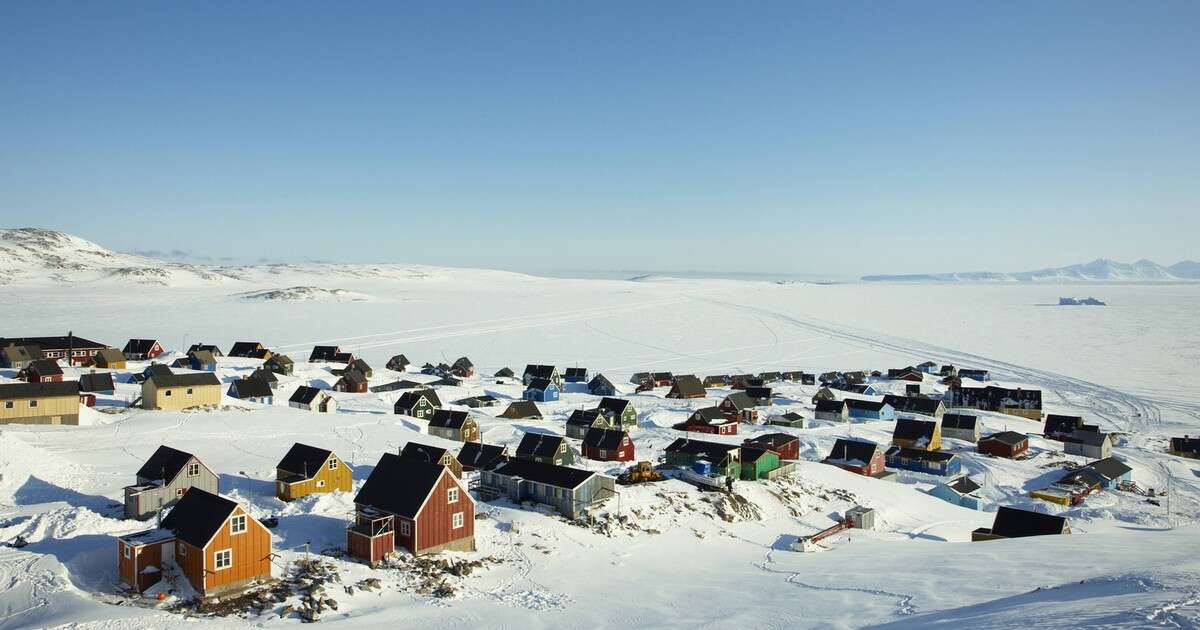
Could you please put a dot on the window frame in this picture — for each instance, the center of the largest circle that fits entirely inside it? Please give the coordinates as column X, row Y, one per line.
column 238, row 518
column 457, row 521
column 405, row 528
column 333, row 463
column 452, row 495
column 33, row 404
column 128, row 550
column 217, row 559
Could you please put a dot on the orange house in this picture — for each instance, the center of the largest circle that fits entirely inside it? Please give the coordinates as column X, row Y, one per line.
column 208, row 539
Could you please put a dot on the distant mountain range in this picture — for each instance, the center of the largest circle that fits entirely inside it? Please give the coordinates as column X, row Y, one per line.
column 1099, row 270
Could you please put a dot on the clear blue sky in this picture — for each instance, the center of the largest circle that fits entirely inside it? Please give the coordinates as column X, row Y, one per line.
column 790, row 136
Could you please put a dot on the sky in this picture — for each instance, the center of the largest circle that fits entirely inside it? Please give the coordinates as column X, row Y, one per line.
column 784, row 137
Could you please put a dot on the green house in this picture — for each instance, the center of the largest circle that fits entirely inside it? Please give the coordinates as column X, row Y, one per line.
column 757, row 462
column 620, row 413
column 724, row 457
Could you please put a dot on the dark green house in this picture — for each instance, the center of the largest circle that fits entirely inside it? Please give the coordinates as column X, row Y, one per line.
column 619, row 412
column 725, row 458
column 757, row 462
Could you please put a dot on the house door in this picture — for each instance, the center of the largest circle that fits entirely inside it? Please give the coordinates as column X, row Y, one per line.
column 168, row 554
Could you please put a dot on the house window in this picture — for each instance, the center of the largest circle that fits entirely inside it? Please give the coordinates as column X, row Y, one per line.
column 333, row 464
column 8, row 404
column 178, row 492
column 167, row 393
column 127, row 553
column 33, row 404
column 189, row 391
column 456, row 521
column 321, row 483
column 405, row 528
column 181, row 549
column 452, row 495
column 603, row 454
column 223, row 559
column 193, row 469
column 237, row 524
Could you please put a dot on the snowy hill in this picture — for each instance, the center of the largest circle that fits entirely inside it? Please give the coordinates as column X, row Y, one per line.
column 1099, row 270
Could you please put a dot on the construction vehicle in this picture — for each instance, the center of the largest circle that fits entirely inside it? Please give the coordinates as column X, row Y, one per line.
column 641, row 472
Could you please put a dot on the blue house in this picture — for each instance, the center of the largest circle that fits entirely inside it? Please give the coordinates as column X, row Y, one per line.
column 1112, row 472
column 202, row 360
column 601, row 386
column 253, row 390
column 576, row 375
column 541, row 390
column 869, row 410
column 932, row 462
column 962, row 491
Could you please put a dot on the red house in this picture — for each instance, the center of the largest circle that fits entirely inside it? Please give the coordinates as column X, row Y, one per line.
column 784, row 445
column 142, row 349
column 857, row 456
column 352, row 381
column 608, row 445
column 740, row 406
column 41, row 371
column 1004, row 444
column 709, row 420
column 414, row 504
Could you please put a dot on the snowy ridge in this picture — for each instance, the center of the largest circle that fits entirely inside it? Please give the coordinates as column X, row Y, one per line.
column 1099, row 270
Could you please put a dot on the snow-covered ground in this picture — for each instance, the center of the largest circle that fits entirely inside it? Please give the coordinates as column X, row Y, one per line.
column 1131, row 366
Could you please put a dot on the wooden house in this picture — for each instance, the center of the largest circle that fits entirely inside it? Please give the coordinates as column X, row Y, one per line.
column 547, row 449
column 961, row 491
column 1090, row 444
column 306, row 470
column 97, row 383
column 742, row 381
column 922, row 460
column 312, row 399
column 687, row 387
column 266, row 376
column 252, row 390
column 757, row 463
column 608, row 445
column 419, row 403
column 414, row 505
column 352, row 381
column 916, row 405
column 725, row 458
column 398, row 363
column 541, row 390
column 832, row 410
column 662, row 379
column 1004, row 444
column 928, row 367
column 1112, row 472
column 825, row 393
column 639, row 378
column 250, row 350
column 570, row 491
column 601, row 386
column 41, row 371
column 142, row 349
column 200, row 360
column 619, row 412
column 770, row 377
column 923, row 435
column 181, row 391
column 761, row 396
column 504, row 372
column 479, row 402
column 217, row 546
column 541, row 372
column 583, row 420
column 857, row 456
column 869, row 409
column 74, row 350
column 1060, row 427
column 108, row 359
column 709, row 420
column 739, row 406
column 909, row 373
column 14, row 357
column 280, row 364
column 434, row 455
column 479, row 456
column 974, row 375
column 575, row 375
column 462, row 368
column 1186, row 446
column 716, row 380
column 961, row 426
column 785, row 445
column 39, row 403
column 1013, row 522
column 323, row 354
column 205, row 347
column 453, row 425
column 1025, row 403
column 163, row 479
column 522, row 409
column 789, row 419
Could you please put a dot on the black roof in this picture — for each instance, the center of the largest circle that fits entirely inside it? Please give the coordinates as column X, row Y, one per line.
column 615, row 406
column 870, row 405
column 323, row 353
column 740, row 400
column 758, row 392
column 354, row 377
column 689, row 386
column 913, row 429
column 548, row 474
column 963, row 485
column 408, row 400
column 304, row 460
column 448, row 419
column 1057, row 423
column 479, row 455
column 252, row 388
column 754, row 453
column 44, row 367
column 504, row 373
column 140, row 346
column 541, row 384
column 959, row 421
column 913, row 404
column 52, row 343
column 204, row 347
column 600, row 380
column 164, row 464
column 463, row 362
column 184, row 380
column 714, row 451
column 35, row 390
column 198, row 516
column 608, row 439
column 1110, row 467
column 1011, row 438
column 304, row 395
column 99, row 382
column 834, row 406
column 1090, row 438
column 1017, row 523
column 540, row 445
column 585, row 417
column 577, row 372
column 244, row 348
column 710, row 415
column 848, row 449
column 916, row 453
column 399, row 485
column 521, row 409
column 423, row 452
column 264, row 374
column 774, row 440
column 1186, row 444
column 539, row 371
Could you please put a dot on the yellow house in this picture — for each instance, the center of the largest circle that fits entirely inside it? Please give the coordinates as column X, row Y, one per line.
column 309, row 470
column 180, row 391
column 925, row 435
column 40, row 403
column 109, row 358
